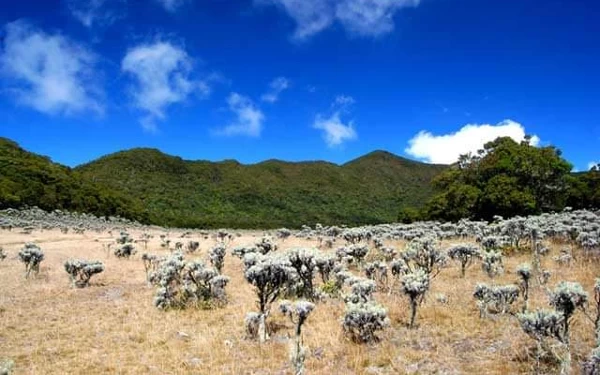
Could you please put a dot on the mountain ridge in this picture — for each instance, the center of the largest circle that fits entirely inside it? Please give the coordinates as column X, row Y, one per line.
column 152, row 186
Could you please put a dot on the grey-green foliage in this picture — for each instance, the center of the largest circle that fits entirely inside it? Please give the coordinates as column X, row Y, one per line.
column 32, row 256
column 491, row 263
column 202, row 283
column 362, row 320
column 541, row 324
column 378, row 272
column 265, row 245
column 167, row 279
column 80, row 271
column 6, row 366
column 270, row 275
column 304, row 261
column 415, row 284
column 361, row 290
column 125, row 251
column 298, row 312
column 180, row 284
column 592, row 365
column 151, row 263
column 495, row 299
column 566, row 298
column 216, row 256
column 241, row 251
column 524, row 273
column 325, row 265
column 465, row 254
column 353, row 254
column 425, row 253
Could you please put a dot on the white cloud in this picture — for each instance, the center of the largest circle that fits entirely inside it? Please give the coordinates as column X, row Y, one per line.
column 171, row 5
column 97, row 12
column 162, row 77
column 249, row 118
column 367, row 18
column 49, row 73
column 276, row 87
column 335, row 132
column 592, row 164
column 445, row 149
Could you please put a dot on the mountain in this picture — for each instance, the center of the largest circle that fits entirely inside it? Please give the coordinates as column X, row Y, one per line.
column 28, row 179
column 176, row 192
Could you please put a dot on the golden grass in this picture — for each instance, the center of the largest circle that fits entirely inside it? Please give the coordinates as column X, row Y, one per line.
column 47, row 327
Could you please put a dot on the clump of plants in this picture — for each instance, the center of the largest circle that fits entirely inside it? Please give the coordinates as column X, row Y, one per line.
column 180, row 284
column 363, row 320
column 415, row 285
column 216, row 256
column 271, row 276
column 492, row 264
column 495, row 299
column 80, row 271
column 31, row 255
column 298, row 312
column 464, row 254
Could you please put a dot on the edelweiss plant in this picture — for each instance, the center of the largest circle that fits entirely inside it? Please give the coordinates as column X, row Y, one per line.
column 32, row 256
column 304, row 261
column 298, row 312
column 415, row 285
column 362, row 320
column 495, row 299
column 80, row 271
column 524, row 273
column 492, row 263
column 465, row 254
column 271, row 276
column 217, row 257
column 424, row 253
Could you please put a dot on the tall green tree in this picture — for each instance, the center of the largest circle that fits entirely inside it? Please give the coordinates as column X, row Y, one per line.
column 505, row 178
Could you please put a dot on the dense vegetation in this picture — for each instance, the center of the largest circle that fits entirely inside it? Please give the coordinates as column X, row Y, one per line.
column 505, row 178
column 27, row 179
column 508, row 178
column 371, row 189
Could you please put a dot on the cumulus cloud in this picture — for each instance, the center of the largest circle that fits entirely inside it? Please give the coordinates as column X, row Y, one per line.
column 366, row 18
column 162, row 76
column 445, row 149
column 335, row 132
column 249, row 118
column 171, row 5
column 276, row 87
column 97, row 12
column 49, row 72
column 592, row 164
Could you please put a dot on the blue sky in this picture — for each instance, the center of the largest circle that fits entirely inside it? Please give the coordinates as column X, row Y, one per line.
column 299, row 79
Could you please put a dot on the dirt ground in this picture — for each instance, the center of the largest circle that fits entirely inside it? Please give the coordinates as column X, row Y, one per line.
column 48, row 327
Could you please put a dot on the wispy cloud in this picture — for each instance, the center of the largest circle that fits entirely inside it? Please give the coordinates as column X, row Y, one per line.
column 97, row 12
column 276, row 87
column 365, row 18
column 336, row 132
column 172, row 5
column 162, row 74
column 249, row 118
column 49, row 72
column 446, row 148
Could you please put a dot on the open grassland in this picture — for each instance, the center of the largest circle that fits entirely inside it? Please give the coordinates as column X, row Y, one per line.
column 48, row 327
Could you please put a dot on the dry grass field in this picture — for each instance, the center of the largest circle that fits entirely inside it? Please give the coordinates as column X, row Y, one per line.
column 47, row 327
